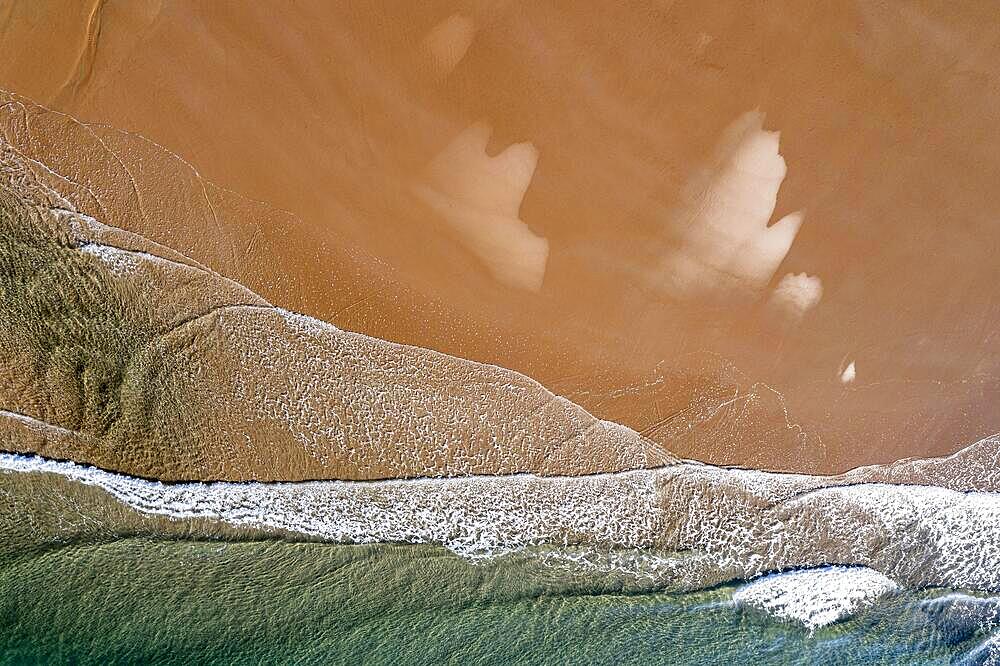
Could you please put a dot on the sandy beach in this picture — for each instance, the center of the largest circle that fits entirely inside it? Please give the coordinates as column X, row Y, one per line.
column 527, row 185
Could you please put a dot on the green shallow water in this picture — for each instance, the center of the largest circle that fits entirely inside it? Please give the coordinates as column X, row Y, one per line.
column 139, row 600
column 85, row 579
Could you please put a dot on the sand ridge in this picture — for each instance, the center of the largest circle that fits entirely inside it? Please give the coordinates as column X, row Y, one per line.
column 164, row 369
column 886, row 119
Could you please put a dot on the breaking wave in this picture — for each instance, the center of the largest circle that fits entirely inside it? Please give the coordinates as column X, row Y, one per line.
column 685, row 526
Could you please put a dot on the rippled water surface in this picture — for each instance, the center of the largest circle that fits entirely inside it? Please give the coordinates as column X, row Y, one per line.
column 178, row 601
column 87, row 579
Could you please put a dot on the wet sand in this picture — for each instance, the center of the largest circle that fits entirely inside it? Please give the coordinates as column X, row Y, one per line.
column 174, row 591
column 623, row 258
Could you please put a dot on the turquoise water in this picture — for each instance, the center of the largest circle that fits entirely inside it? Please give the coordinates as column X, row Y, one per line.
column 147, row 601
column 86, row 580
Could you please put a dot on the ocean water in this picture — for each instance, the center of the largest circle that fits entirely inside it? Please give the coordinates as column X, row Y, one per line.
column 178, row 601
column 87, row 579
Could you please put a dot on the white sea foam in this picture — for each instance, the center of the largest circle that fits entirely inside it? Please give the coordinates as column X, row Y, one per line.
column 986, row 653
column 120, row 262
column 475, row 517
column 815, row 597
column 683, row 526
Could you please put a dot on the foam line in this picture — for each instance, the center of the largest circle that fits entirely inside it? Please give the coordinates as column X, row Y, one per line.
column 815, row 597
column 682, row 526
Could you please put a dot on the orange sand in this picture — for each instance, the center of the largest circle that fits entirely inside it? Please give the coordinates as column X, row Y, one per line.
column 336, row 112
